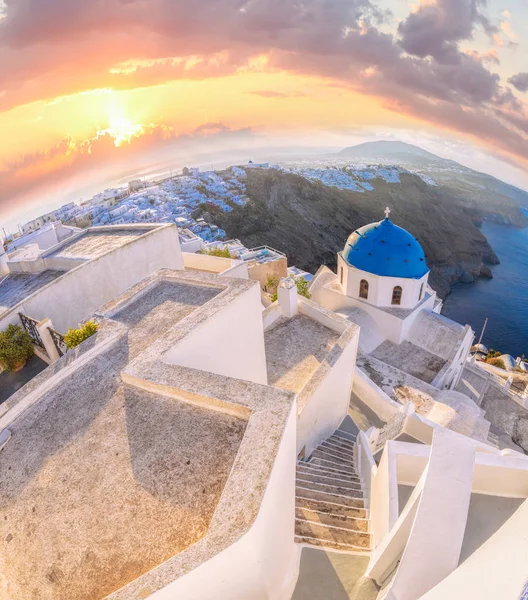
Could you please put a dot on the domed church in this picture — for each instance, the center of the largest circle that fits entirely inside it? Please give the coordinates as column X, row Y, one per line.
column 384, row 265
column 381, row 284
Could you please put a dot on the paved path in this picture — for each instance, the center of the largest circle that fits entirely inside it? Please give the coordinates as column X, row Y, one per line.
column 328, row 575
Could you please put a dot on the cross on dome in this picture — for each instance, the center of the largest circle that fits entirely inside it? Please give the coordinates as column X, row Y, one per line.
column 387, row 212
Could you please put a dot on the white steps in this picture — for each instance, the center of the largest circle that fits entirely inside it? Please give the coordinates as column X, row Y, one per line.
column 329, row 506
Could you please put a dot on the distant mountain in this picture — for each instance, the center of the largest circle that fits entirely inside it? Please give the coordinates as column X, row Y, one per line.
column 394, row 151
column 480, row 190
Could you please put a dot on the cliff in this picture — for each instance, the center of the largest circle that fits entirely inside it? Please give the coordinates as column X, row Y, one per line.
column 310, row 222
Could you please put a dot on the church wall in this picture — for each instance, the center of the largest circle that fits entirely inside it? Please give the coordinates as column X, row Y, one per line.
column 380, row 288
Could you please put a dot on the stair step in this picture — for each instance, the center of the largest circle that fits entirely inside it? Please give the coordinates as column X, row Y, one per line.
column 325, row 479
column 331, row 488
column 330, row 463
column 318, row 471
column 330, row 468
column 326, row 454
column 342, row 442
column 329, row 532
column 325, row 518
column 308, row 492
column 329, row 544
column 334, row 508
column 330, row 447
column 344, row 435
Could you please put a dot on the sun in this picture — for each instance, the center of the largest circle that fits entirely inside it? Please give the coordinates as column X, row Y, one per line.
column 123, row 130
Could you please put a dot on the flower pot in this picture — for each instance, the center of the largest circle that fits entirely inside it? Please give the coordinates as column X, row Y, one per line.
column 19, row 366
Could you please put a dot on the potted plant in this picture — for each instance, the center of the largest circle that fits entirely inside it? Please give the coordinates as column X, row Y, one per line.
column 16, row 348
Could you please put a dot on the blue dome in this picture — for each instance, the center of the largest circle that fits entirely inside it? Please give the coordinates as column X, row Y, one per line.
column 385, row 249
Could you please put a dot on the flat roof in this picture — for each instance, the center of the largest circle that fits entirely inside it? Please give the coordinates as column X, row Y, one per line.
column 100, row 484
column 17, row 286
column 410, row 358
column 112, row 480
column 94, row 244
column 294, row 350
column 154, row 312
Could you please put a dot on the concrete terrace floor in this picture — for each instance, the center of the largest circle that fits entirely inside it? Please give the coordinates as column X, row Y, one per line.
column 326, row 575
column 101, row 483
column 15, row 287
column 11, row 382
column 94, row 244
column 155, row 312
column 294, row 350
column 410, row 358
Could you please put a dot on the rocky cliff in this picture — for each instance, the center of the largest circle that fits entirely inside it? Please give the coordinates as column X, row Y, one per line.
column 310, row 222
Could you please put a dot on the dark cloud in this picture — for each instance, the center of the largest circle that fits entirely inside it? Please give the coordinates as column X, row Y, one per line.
column 436, row 29
column 55, row 47
column 519, row 81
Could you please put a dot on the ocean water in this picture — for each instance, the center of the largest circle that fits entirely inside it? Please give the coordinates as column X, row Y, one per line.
column 503, row 299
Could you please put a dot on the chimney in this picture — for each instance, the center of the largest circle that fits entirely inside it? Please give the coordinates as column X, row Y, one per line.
column 287, row 296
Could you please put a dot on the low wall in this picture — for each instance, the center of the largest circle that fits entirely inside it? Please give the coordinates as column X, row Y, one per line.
column 323, row 402
column 263, row 564
column 215, row 264
column 369, row 393
column 230, row 343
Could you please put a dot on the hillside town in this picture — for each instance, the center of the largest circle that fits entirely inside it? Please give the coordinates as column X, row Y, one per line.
column 176, row 199
column 207, row 421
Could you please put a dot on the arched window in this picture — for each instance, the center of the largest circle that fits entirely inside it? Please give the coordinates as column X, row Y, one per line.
column 397, row 295
column 341, row 276
column 363, row 289
column 421, row 292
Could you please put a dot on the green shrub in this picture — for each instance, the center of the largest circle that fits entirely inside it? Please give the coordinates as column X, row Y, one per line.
column 16, row 347
column 272, row 283
column 74, row 337
column 496, row 362
column 217, row 251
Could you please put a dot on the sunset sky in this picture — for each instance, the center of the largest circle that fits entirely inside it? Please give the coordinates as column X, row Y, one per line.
column 92, row 91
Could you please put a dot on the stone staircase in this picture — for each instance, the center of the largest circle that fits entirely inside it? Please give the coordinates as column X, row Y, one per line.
column 329, row 505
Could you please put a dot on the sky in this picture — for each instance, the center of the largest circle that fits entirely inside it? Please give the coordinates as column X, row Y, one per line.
column 95, row 91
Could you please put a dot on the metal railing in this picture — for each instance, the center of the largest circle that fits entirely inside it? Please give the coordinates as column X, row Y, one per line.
column 30, row 325
column 58, row 340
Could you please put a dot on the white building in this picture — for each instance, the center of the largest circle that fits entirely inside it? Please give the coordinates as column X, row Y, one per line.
column 199, row 447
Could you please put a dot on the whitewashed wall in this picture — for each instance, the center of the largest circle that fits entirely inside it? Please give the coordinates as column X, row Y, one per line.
column 80, row 292
column 230, row 343
column 264, row 563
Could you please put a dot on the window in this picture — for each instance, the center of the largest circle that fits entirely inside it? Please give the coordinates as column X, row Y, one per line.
column 421, row 292
column 396, row 295
column 363, row 289
column 341, row 276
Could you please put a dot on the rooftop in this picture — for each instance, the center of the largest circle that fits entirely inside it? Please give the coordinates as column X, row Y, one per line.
column 410, row 358
column 15, row 287
column 157, row 310
column 94, row 244
column 294, row 350
column 106, row 479
column 125, row 487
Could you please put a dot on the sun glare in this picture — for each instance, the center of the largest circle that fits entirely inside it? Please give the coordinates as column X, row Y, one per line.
column 123, row 130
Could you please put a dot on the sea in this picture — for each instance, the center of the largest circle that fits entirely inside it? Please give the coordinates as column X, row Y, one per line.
column 503, row 299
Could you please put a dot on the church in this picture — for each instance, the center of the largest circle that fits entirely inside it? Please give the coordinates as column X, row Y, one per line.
column 212, row 441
